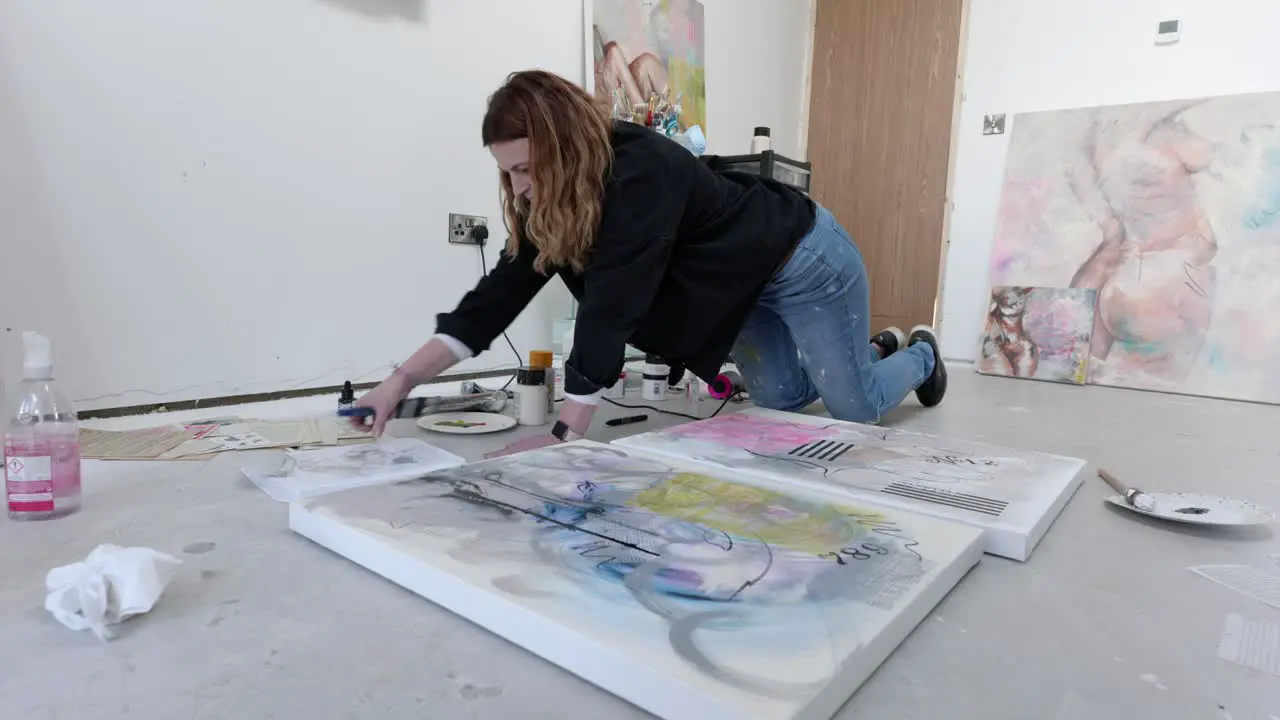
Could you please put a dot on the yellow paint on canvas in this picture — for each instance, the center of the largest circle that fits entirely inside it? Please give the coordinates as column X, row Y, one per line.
column 750, row 512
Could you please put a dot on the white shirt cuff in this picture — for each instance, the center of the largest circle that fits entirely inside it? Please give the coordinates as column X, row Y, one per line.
column 456, row 346
column 592, row 399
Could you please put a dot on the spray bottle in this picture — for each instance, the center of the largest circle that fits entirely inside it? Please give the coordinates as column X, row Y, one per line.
column 42, row 444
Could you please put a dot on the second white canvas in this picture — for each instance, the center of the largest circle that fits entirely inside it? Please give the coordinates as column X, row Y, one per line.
column 1013, row 495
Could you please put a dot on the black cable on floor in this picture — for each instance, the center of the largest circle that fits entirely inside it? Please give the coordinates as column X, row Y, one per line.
column 673, row 413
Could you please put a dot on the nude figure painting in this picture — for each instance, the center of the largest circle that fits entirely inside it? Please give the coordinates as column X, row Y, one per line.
column 1038, row 333
column 645, row 49
column 1170, row 211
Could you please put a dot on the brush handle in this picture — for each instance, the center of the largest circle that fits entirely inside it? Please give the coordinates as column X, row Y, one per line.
column 1114, row 483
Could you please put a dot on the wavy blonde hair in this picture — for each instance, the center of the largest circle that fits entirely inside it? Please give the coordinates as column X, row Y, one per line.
column 570, row 153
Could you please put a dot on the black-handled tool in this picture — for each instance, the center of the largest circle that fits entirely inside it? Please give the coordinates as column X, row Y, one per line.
column 407, row 408
column 626, row 420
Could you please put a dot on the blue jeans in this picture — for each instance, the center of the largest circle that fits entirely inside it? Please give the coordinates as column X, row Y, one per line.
column 809, row 335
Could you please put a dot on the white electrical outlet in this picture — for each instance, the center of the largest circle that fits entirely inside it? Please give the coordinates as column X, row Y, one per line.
column 1168, row 32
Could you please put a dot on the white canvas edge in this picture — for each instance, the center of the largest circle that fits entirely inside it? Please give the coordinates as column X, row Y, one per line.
column 651, row 691
column 1001, row 537
column 1037, row 533
column 854, row 674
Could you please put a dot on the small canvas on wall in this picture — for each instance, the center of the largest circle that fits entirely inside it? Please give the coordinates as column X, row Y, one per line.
column 1171, row 212
column 1038, row 333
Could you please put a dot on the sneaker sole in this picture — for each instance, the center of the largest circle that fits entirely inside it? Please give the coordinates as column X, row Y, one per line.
column 939, row 374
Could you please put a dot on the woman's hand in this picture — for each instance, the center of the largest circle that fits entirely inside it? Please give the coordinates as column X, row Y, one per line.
column 383, row 400
column 574, row 414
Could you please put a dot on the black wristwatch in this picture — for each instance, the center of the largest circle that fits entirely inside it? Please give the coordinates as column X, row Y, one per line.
column 562, row 432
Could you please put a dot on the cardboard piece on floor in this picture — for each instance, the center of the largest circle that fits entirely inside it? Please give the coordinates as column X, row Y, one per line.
column 658, row 580
column 145, row 444
column 1013, row 495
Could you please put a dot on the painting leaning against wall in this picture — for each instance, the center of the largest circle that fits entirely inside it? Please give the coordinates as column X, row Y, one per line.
column 1038, row 333
column 646, row 49
column 1171, row 212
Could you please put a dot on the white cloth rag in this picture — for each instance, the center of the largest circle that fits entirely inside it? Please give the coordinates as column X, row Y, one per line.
column 111, row 585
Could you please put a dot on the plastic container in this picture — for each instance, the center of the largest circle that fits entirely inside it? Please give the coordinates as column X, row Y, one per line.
column 653, row 383
column 760, row 141
column 694, row 389
column 545, row 360
column 530, row 396
column 42, row 443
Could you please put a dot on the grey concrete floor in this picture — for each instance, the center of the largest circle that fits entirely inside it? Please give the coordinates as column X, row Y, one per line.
column 1103, row 622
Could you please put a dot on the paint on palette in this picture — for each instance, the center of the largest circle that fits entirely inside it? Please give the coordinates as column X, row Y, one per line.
column 1169, row 212
column 708, row 557
column 1038, row 333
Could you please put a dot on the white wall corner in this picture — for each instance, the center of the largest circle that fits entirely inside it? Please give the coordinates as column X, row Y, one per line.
column 806, row 81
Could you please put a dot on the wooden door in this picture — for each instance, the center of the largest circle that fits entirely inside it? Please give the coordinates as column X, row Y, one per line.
column 884, row 103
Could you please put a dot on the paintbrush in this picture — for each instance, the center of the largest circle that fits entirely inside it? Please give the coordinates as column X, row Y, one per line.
column 1133, row 496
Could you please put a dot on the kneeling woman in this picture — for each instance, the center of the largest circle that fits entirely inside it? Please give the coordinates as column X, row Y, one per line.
column 679, row 260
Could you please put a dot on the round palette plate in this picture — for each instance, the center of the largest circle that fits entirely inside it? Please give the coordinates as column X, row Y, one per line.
column 466, row 423
column 1200, row 509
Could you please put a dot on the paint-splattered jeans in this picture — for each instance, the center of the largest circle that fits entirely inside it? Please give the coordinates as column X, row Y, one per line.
column 809, row 335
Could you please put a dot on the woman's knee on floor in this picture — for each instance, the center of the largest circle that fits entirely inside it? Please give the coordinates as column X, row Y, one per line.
column 852, row 402
column 780, row 393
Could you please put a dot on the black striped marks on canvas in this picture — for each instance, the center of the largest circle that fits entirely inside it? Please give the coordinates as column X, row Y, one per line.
column 963, row 501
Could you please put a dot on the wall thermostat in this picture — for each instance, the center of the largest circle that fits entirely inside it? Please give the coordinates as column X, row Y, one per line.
column 1168, row 32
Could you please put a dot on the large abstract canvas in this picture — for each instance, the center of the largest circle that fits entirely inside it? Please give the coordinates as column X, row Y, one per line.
column 1012, row 495
column 678, row 589
column 1171, row 212
column 643, row 50
column 1038, row 333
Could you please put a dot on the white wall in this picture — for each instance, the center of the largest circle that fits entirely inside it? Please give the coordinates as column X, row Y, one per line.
column 219, row 197
column 757, row 65
column 1031, row 55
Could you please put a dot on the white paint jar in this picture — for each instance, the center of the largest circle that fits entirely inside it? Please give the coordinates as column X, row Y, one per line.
column 653, row 383
column 530, row 396
column 760, row 141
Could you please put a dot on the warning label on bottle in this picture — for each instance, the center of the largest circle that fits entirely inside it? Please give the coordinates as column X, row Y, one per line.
column 29, row 483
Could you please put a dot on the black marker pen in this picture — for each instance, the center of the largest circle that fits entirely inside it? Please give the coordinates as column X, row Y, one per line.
column 626, row 420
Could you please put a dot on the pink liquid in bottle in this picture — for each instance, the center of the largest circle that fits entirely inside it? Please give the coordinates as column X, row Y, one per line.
column 42, row 444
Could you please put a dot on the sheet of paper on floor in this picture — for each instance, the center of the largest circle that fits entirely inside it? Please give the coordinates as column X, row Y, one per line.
column 1254, row 645
column 664, row 582
column 1243, row 579
column 303, row 474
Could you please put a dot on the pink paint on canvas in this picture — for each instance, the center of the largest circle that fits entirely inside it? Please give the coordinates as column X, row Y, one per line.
column 759, row 435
